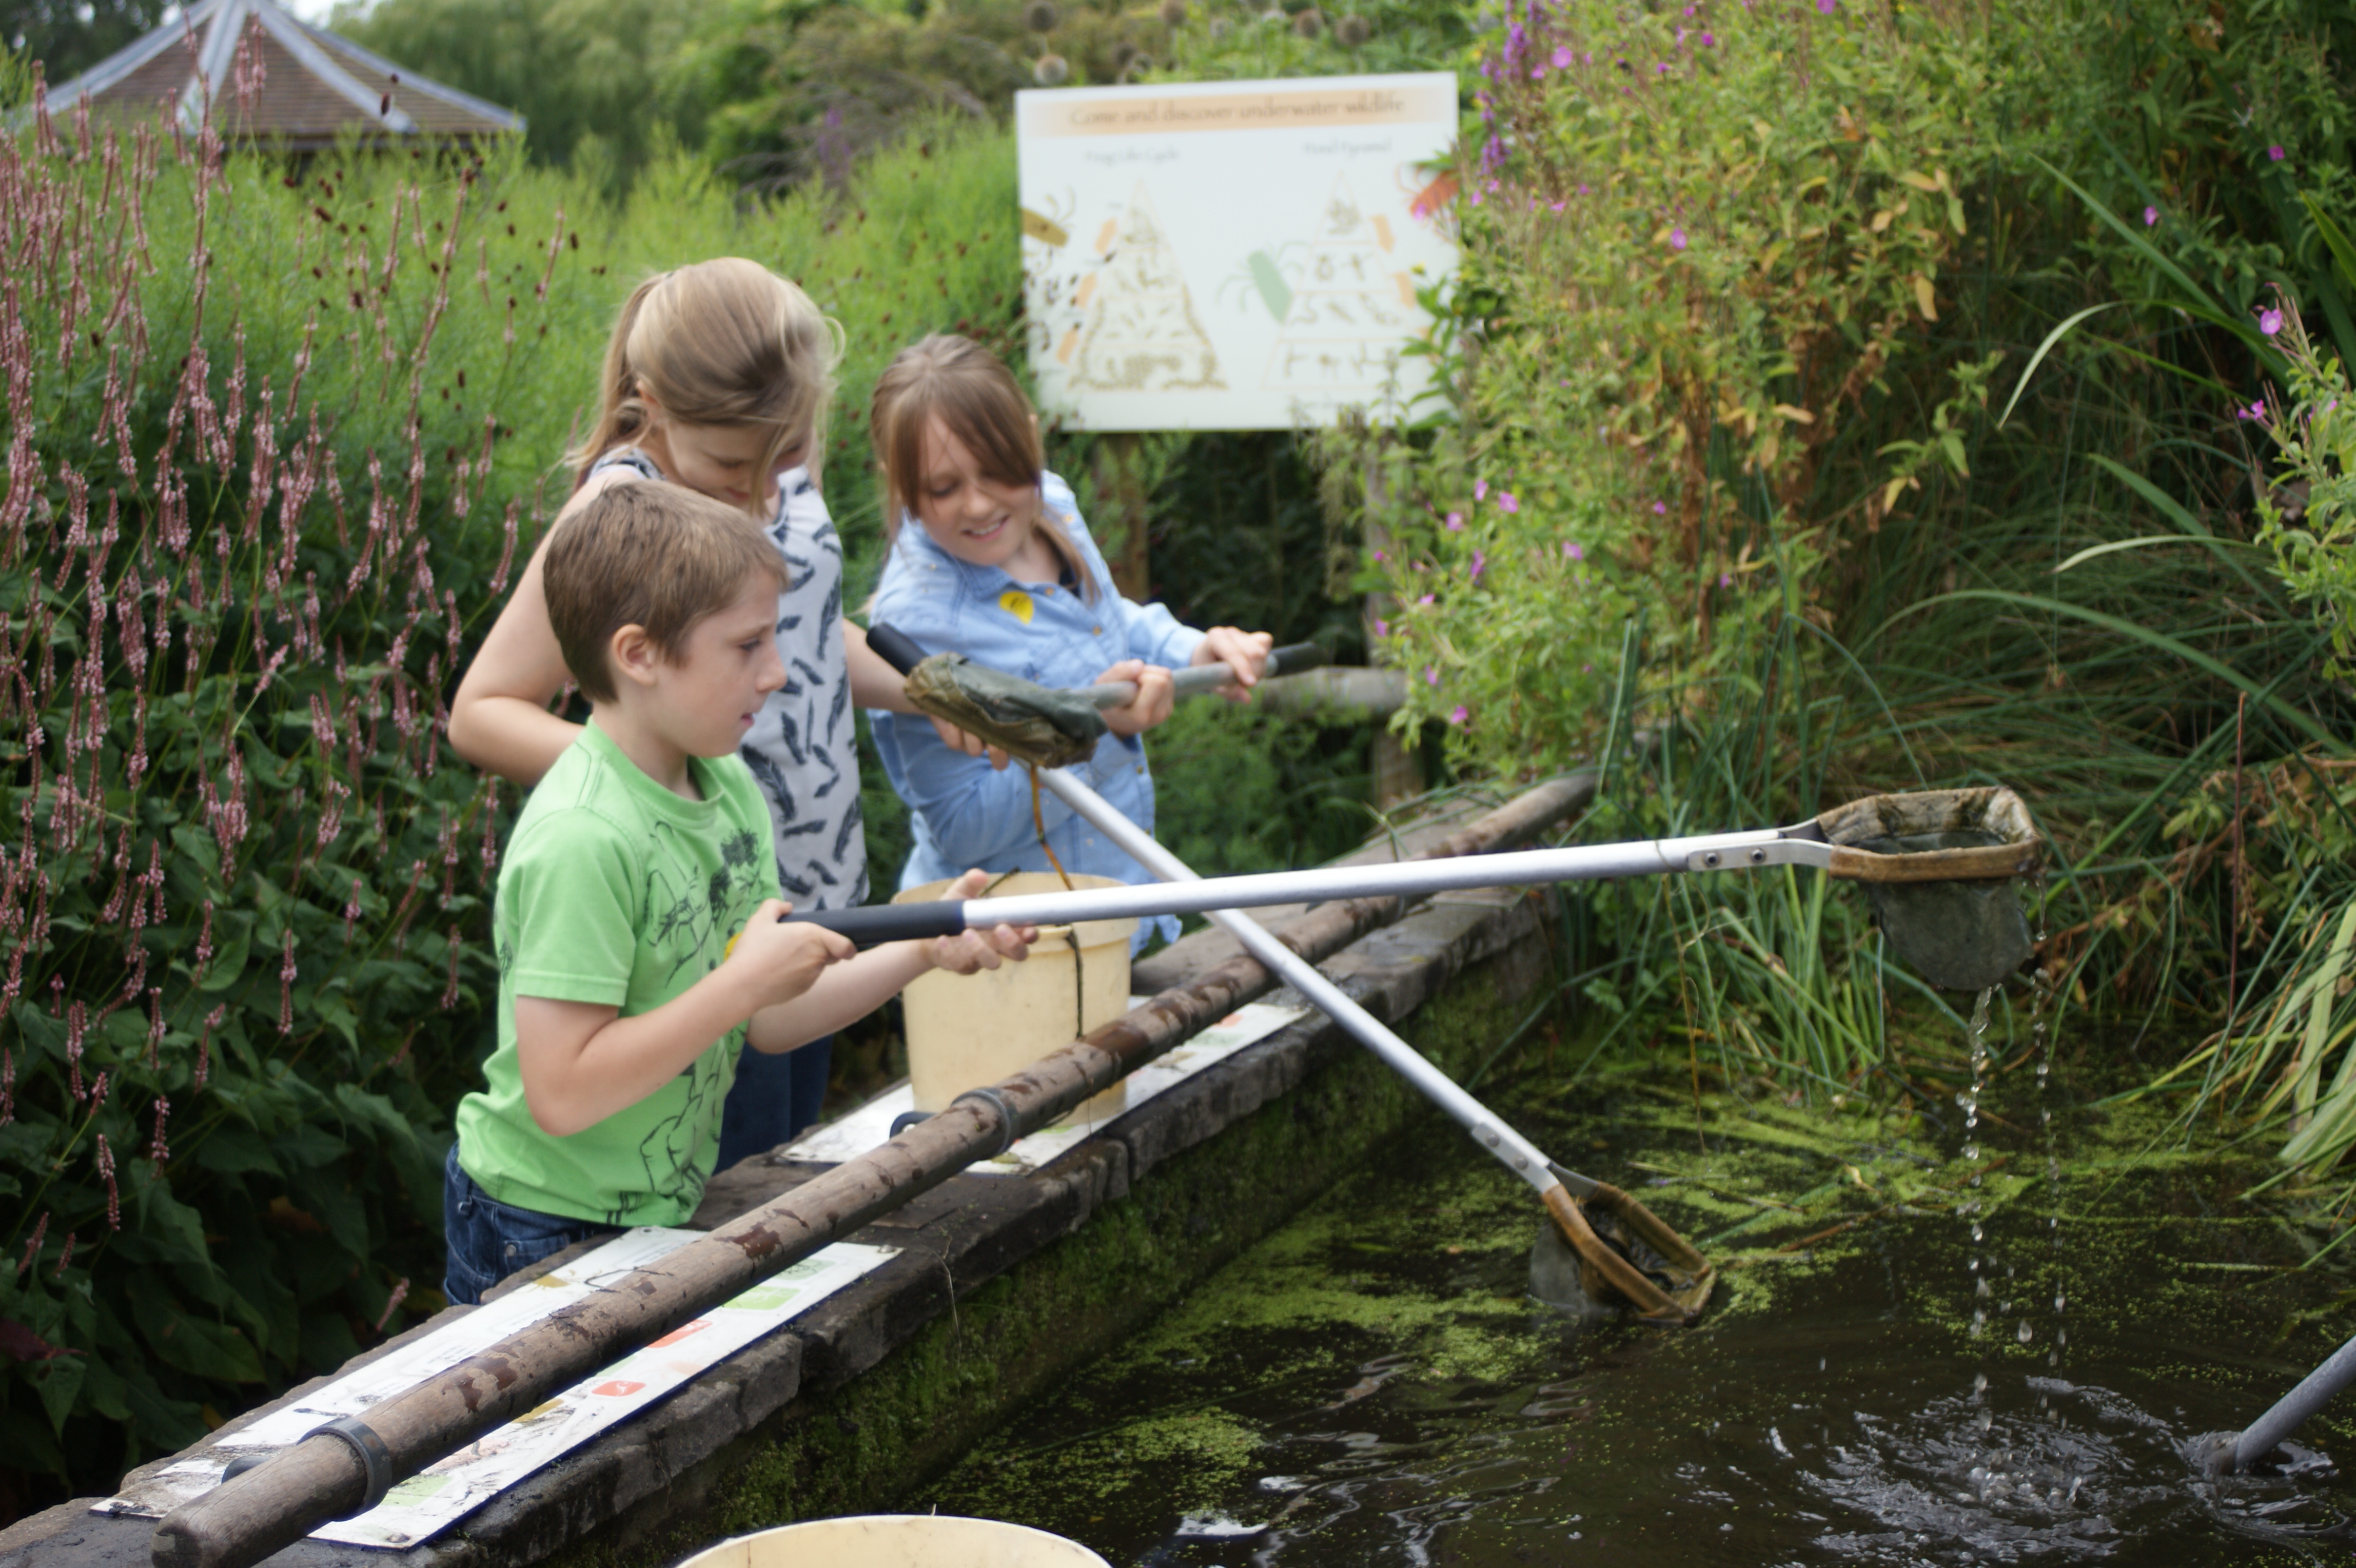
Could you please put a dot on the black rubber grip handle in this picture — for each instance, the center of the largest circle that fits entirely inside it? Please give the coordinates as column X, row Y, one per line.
column 894, row 647
column 1293, row 657
column 873, row 925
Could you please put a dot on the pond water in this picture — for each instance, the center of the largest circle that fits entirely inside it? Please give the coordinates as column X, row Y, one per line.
column 1927, row 1348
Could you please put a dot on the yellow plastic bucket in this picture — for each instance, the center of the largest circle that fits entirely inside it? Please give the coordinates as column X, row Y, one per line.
column 898, row 1540
column 969, row 1031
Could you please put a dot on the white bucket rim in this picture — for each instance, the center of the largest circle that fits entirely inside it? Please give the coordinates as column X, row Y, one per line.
column 713, row 1556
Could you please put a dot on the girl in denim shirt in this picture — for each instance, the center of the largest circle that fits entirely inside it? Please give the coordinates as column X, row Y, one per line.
column 1000, row 568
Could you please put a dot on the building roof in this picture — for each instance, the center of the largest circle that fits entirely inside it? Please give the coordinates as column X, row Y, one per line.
column 315, row 87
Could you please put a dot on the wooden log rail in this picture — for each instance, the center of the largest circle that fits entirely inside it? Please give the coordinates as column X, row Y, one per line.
column 330, row 1476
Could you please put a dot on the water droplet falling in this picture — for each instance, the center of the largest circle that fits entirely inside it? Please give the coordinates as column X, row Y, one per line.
column 2026, row 1333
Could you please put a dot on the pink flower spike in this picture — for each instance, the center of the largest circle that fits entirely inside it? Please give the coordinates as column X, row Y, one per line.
column 1480, row 489
column 1480, row 564
column 2275, row 153
column 1660, row 508
column 1380, row 556
column 2269, row 322
column 1562, row 57
column 1432, row 674
column 2150, row 216
column 1455, row 523
column 1676, row 239
column 1557, row 207
column 1709, row 42
column 1570, row 548
column 1460, row 715
column 1505, row 501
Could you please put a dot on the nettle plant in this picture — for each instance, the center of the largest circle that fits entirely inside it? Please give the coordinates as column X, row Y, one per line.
column 260, row 477
column 1702, row 243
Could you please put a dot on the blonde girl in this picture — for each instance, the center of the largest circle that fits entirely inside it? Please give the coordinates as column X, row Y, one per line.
column 1000, row 568
column 718, row 377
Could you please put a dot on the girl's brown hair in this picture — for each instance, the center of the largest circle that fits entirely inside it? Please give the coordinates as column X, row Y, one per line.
column 723, row 342
column 973, row 393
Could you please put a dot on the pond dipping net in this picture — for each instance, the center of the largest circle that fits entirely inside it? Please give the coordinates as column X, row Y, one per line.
column 1940, row 868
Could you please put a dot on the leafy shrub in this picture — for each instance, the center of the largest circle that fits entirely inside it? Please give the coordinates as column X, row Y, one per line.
column 260, row 472
column 606, row 85
column 1698, row 247
column 278, row 444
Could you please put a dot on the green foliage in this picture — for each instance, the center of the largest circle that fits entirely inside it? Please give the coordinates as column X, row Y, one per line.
column 1685, row 280
column 69, row 37
column 815, row 86
column 1239, row 790
column 606, row 86
column 1343, row 37
column 2308, row 513
column 248, row 884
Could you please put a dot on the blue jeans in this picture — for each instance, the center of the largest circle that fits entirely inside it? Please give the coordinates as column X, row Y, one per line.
column 774, row 1098
column 488, row 1240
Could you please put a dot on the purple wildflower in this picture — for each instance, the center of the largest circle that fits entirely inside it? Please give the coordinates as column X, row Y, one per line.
column 2150, row 216
column 1460, row 715
column 2274, row 153
column 1432, row 674
column 1676, row 239
column 1505, row 501
column 1480, row 564
column 1455, row 523
column 2270, row 321
column 1571, row 549
column 1562, row 57
column 1480, row 489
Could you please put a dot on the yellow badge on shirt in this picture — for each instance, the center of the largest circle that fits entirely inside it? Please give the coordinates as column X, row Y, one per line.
column 1016, row 603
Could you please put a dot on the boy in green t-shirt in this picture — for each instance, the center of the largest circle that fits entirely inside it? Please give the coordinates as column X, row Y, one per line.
column 638, row 858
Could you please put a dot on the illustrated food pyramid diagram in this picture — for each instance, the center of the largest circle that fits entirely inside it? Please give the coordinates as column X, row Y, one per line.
column 1140, row 333
column 1349, row 305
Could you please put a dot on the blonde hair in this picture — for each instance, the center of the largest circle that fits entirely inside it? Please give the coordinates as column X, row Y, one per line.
column 973, row 393
column 724, row 342
column 659, row 556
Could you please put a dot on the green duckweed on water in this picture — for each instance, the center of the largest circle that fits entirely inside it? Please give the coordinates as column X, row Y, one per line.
column 1372, row 1383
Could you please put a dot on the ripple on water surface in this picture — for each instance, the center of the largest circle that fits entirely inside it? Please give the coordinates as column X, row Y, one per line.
column 1371, row 1386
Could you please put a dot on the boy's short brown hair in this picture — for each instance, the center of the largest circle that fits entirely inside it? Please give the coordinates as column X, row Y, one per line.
column 651, row 554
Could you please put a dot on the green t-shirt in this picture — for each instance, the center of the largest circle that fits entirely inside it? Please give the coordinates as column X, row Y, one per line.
column 616, row 891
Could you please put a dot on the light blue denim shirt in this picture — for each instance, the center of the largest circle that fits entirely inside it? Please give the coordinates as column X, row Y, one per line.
column 966, row 812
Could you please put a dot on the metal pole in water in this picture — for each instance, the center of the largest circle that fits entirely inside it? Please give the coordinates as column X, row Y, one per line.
column 2313, row 1393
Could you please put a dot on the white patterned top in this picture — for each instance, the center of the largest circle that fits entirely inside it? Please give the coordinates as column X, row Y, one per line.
column 803, row 748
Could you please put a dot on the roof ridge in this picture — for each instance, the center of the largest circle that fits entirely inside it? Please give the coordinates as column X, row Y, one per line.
column 216, row 29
